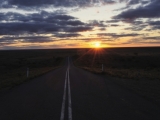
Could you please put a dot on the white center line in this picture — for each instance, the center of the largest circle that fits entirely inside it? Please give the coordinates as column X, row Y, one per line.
column 67, row 81
column 64, row 98
column 69, row 100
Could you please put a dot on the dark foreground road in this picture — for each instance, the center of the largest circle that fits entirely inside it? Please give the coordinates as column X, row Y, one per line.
column 70, row 93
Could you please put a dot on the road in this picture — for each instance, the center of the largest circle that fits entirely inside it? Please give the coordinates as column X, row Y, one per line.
column 70, row 93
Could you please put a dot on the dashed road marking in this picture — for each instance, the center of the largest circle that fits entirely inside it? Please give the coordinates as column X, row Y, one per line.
column 67, row 83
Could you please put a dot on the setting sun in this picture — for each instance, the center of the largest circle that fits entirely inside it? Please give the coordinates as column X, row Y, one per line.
column 97, row 44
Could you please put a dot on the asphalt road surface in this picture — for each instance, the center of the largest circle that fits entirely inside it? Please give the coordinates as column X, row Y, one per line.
column 70, row 93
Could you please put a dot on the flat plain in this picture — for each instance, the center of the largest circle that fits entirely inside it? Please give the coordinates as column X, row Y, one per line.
column 136, row 68
column 70, row 84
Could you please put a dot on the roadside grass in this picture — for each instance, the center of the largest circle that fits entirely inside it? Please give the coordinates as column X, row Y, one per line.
column 127, row 73
column 19, row 76
column 145, row 83
column 14, row 64
column 140, row 73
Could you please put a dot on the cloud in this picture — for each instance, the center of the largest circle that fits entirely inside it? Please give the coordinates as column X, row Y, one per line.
column 26, row 39
column 78, row 29
column 40, row 23
column 114, row 35
column 102, row 29
column 96, row 23
column 112, row 21
column 43, row 16
column 137, row 26
column 67, row 35
column 150, row 10
column 152, row 38
column 55, row 3
column 154, row 23
column 114, row 25
column 91, row 39
column 16, row 27
column 132, row 2
column 135, row 2
column 144, row 40
column 27, row 28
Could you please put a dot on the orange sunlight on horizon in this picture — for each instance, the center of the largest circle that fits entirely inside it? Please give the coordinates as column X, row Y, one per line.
column 96, row 44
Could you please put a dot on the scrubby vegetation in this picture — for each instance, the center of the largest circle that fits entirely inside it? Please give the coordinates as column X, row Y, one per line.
column 14, row 65
column 135, row 68
column 122, row 62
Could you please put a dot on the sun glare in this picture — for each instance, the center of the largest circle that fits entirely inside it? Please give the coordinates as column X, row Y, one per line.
column 97, row 44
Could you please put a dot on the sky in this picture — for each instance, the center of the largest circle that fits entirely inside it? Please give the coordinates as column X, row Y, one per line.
column 52, row 24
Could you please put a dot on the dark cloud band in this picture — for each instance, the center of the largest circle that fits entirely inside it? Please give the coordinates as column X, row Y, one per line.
column 56, row 3
column 149, row 11
column 43, row 22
